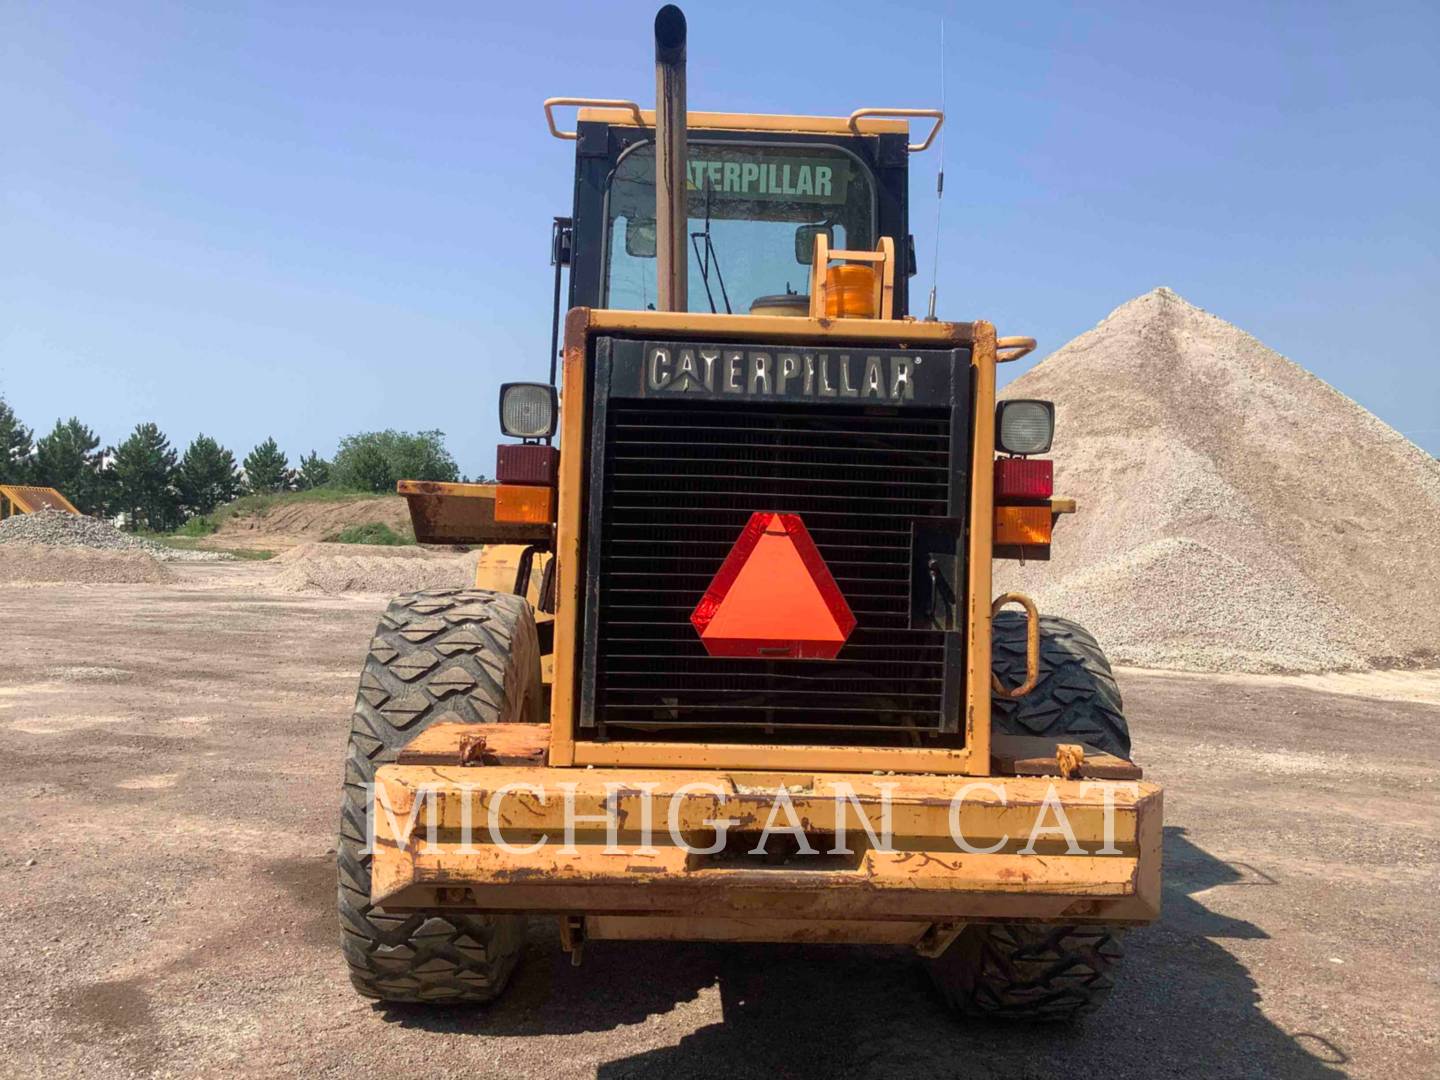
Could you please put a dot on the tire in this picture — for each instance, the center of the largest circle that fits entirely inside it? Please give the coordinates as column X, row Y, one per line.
column 467, row 655
column 1076, row 696
column 1028, row 971
column 1017, row 971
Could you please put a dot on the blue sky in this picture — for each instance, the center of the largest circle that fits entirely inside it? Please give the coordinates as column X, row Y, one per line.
column 312, row 219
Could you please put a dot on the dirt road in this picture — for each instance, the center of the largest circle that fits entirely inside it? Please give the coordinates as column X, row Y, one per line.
column 171, row 761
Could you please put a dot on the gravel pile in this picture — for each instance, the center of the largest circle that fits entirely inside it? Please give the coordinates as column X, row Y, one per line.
column 355, row 568
column 55, row 528
column 1236, row 513
column 33, row 564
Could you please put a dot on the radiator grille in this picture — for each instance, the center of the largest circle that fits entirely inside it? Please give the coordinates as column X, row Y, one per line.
column 680, row 481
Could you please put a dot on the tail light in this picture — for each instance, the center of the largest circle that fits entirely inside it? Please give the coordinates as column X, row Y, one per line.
column 528, row 463
column 1024, row 478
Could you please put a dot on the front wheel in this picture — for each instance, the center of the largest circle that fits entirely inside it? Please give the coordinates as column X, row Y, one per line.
column 1029, row 971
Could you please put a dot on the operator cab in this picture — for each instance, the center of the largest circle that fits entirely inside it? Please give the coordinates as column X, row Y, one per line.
column 761, row 189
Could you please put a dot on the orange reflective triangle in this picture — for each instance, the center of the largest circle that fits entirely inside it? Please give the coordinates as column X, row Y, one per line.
column 774, row 597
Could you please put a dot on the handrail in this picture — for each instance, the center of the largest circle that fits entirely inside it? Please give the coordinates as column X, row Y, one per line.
column 1013, row 348
column 902, row 114
column 1032, row 646
column 580, row 102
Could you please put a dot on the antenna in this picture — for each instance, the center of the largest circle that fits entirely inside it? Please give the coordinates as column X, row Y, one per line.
column 939, row 184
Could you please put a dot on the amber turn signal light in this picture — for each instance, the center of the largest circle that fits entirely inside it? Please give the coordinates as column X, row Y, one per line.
column 1025, row 526
column 850, row 291
column 518, row 504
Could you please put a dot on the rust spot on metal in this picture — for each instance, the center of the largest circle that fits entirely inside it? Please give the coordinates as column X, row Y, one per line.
column 1069, row 757
column 451, row 895
column 472, row 750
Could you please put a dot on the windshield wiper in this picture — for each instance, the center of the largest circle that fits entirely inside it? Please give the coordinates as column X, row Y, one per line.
column 705, row 260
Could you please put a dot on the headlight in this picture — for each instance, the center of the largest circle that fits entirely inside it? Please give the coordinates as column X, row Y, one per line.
column 1025, row 427
column 527, row 410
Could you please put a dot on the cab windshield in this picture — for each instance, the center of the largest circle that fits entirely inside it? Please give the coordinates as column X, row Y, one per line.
column 754, row 211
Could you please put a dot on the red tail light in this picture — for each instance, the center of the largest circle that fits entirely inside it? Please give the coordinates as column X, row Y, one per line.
column 1024, row 478
column 527, row 463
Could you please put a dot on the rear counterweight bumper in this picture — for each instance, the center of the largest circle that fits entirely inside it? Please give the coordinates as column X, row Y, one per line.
column 718, row 845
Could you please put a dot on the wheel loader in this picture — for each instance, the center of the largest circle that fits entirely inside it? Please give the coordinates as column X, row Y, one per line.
column 732, row 668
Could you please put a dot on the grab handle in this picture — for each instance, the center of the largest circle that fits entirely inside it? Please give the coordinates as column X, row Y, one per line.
column 598, row 103
column 1032, row 645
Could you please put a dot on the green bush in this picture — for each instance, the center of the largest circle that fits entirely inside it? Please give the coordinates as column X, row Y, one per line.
column 197, row 526
column 374, row 460
column 374, row 532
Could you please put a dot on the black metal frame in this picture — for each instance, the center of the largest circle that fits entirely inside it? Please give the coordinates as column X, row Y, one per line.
column 960, row 392
column 599, row 146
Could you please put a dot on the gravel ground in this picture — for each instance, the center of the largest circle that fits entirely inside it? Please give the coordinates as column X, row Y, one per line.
column 1221, row 485
column 173, row 759
column 56, row 528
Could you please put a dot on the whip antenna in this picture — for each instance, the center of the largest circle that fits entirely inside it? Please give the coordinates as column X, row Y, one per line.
column 939, row 184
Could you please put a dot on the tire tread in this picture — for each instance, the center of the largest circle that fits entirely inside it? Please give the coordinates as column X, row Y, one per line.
column 464, row 655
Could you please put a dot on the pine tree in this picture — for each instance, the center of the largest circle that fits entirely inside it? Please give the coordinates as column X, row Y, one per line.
column 207, row 476
column 267, row 469
column 70, row 460
column 144, row 469
column 314, row 472
column 16, row 443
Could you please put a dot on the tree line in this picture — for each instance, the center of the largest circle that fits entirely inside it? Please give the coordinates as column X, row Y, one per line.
column 153, row 486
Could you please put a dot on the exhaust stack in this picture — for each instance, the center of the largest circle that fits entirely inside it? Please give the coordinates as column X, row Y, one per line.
column 671, row 154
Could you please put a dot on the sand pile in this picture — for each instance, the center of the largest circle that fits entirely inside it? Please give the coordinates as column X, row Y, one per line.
column 337, row 568
column 1236, row 513
column 58, row 529
column 32, row 564
column 290, row 522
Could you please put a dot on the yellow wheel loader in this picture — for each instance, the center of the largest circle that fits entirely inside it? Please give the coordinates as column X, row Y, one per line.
column 733, row 669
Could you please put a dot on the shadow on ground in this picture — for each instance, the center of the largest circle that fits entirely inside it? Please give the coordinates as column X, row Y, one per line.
column 1183, row 1005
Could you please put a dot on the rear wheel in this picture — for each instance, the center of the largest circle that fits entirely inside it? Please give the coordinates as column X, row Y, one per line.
column 463, row 655
column 1076, row 697
column 1020, row 971
column 1028, row 971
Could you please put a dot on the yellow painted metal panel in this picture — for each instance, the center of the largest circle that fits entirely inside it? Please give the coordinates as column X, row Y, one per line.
column 982, row 502
column 729, row 755
column 895, row 333
column 28, row 499
column 574, row 388
column 822, row 125
column 814, row 931
column 445, row 513
column 920, row 873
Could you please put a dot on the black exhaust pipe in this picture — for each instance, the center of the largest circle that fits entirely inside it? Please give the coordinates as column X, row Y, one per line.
column 671, row 155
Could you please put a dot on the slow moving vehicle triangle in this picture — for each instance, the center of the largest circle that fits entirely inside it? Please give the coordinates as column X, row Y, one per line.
column 773, row 597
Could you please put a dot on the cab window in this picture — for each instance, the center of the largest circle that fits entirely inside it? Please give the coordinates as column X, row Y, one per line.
column 754, row 210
